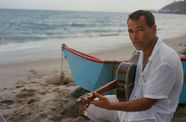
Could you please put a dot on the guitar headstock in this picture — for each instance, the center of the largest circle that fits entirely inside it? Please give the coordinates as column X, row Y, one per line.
column 82, row 106
column 83, row 102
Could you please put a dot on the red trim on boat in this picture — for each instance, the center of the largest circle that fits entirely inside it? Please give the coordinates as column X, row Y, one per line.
column 91, row 58
column 183, row 58
column 88, row 57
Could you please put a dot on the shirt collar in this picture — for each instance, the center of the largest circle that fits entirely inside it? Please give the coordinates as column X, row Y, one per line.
column 155, row 50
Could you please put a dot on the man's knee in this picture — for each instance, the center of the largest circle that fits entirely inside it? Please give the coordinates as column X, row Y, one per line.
column 99, row 114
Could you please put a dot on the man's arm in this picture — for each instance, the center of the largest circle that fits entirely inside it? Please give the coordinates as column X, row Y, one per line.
column 131, row 105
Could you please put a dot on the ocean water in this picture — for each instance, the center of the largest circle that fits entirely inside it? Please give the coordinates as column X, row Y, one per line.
column 34, row 34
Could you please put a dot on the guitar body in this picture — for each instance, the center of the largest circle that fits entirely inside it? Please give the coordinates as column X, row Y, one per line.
column 125, row 80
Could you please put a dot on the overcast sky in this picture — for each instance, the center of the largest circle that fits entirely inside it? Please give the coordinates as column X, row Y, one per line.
column 87, row 5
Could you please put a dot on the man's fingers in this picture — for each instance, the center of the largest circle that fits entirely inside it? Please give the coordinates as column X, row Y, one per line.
column 86, row 96
column 98, row 95
column 96, row 102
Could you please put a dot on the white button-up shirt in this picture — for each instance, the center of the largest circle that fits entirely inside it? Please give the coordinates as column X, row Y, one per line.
column 161, row 79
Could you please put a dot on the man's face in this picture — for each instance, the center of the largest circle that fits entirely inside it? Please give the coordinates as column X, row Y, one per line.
column 140, row 33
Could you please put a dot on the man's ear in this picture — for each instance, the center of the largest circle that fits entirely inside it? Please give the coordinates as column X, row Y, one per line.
column 154, row 29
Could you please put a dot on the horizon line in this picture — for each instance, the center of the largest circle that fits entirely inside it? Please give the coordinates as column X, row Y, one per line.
column 68, row 10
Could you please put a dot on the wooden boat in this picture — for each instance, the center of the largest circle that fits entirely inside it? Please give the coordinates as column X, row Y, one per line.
column 91, row 73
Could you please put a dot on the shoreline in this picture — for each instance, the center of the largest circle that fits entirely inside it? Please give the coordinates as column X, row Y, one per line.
column 51, row 50
column 177, row 43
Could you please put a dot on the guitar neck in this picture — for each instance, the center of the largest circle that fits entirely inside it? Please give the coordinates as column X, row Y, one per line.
column 109, row 86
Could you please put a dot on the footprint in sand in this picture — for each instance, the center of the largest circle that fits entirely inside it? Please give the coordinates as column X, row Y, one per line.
column 25, row 93
column 36, row 74
column 7, row 102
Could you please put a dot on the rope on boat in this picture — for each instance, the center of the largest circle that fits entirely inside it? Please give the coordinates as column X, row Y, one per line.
column 62, row 69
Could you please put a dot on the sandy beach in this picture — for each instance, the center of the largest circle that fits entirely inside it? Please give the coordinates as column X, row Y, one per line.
column 30, row 91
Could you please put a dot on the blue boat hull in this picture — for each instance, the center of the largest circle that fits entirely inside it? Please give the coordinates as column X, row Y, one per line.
column 183, row 92
column 88, row 74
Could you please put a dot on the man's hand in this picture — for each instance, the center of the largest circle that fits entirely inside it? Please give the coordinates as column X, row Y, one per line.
column 102, row 101
column 131, row 105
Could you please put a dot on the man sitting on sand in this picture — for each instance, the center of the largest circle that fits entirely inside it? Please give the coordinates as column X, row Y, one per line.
column 158, row 82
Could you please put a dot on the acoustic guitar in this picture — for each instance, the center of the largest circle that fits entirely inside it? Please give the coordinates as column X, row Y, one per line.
column 123, row 84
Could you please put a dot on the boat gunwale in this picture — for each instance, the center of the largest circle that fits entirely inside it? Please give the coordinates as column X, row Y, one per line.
column 88, row 57
column 183, row 58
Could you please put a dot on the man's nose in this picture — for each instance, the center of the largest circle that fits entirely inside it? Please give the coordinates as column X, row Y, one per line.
column 136, row 35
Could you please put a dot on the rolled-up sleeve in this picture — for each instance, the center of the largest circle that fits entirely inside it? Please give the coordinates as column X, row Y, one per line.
column 160, row 82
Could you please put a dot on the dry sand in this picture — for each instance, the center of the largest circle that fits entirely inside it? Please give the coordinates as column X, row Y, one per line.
column 30, row 91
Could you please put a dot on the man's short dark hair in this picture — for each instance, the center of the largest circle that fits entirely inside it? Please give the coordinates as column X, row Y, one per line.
column 147, row 14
